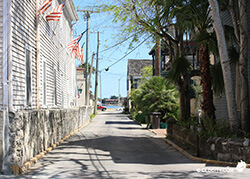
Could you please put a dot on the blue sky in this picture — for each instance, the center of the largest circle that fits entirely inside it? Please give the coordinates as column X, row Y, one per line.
column 108, row 37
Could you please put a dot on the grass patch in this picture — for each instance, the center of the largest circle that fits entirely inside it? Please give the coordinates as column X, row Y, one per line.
column 92, row 116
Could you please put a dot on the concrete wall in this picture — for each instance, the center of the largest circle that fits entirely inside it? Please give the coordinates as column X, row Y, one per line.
column 32, row 132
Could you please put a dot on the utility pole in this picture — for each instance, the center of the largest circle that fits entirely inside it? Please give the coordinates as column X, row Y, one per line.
column 87, row 16
column 90, row 72
column 101, row 86
column 96, row 76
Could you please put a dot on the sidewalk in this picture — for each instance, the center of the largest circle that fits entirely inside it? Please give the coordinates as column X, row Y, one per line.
column 159, row 132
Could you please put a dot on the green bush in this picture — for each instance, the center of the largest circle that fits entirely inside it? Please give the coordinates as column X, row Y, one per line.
column 156, row 94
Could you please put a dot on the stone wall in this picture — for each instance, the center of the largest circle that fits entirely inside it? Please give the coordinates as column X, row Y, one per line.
column 31, row 132
column 232, row 150
column 222, row 149
column 182, row 134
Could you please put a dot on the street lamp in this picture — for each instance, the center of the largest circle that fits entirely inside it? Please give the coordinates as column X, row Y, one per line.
column 119, row 100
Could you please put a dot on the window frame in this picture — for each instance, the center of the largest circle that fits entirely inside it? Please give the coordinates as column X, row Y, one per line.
column 27, row 105
column 44, row 82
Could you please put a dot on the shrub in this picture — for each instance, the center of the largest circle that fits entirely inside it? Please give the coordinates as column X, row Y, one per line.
column 156, row 94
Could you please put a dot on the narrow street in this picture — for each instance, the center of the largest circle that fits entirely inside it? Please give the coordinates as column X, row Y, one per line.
column 113, row 146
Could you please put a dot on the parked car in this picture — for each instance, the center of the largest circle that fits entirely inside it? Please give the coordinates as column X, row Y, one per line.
column 119, row 109
column 103, row 108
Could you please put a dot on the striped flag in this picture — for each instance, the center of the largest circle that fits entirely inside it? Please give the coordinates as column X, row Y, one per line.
column 46, row 4
column 72, row 44
column 76, row 41
column 82, row 60
column 73, row 53
column 56, row 13
column 79, row 53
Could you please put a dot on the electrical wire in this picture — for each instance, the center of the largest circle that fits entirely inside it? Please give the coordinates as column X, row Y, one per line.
column 117, row 44
column 126, row 54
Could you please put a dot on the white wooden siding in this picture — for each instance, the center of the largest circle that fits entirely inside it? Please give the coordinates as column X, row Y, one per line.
column 54, row 38
column 23, row 34
column 1, row 52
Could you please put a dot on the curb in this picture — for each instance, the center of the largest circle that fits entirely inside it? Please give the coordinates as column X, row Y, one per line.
column 17, row 170
column 215, row 162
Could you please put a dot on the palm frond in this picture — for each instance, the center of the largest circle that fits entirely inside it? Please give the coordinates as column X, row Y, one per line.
column 180, row 66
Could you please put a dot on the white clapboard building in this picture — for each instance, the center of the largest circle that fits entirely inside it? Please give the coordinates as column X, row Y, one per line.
column 36, row 70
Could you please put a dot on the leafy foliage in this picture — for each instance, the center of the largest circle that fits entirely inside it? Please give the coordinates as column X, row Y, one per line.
column 156, row 95
column 179, row 67
column 146, row 72
column 218, row 129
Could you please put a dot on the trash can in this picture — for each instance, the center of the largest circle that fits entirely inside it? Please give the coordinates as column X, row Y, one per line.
column 155, row 120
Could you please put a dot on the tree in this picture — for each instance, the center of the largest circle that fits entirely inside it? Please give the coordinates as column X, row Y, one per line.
column 159, row 18
column 147, row 18
column 198, row 14
column 146, row 72
column 238, row 11
column 113, row 97
column 225, row 63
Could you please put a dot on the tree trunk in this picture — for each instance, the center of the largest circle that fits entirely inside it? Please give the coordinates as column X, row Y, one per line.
column 184, row 100
column 158, row 57
column 206, row 82
column 243, row 66
column 225, row 64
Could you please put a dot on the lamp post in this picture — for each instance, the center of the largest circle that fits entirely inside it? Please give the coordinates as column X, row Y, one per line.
column 119, row 100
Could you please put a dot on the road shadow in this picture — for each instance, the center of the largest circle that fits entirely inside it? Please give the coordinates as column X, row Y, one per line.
column 121, row 122
column 90, row 152
column 124, row 149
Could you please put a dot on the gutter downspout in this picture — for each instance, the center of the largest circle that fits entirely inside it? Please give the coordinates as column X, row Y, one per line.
column 7, row 58
column 5, row 53
column 7, row 85
column 37, row 56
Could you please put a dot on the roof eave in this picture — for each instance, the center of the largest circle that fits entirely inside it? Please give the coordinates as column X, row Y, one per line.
column 70, row 8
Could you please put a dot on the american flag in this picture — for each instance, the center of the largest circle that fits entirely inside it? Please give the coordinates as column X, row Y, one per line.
column 46, row 4
column 80, row 54
column 76, row 41
column 77, row 52
column 56, row 14
column 73, row 53
column 73, row 43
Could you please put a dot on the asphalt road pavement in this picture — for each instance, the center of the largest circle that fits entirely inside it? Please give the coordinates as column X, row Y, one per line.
column 113, row 146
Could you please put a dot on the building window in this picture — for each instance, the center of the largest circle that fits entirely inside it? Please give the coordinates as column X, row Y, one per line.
column 28, row 77
column 44, row 83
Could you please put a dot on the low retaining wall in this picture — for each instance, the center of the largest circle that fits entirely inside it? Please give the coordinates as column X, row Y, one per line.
column 34, row 131
column 230, row 150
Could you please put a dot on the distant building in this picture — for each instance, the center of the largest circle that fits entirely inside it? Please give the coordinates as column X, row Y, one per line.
column 80, row 79
column 191, row 51
column 134, row 72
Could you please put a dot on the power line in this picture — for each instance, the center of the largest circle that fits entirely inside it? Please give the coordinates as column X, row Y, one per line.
column 126, row 54
column 117, row 43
